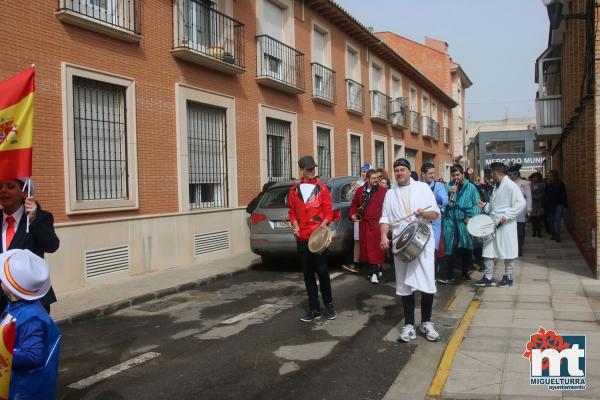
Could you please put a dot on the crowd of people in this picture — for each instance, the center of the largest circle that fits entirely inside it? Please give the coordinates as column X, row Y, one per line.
column 382, row 208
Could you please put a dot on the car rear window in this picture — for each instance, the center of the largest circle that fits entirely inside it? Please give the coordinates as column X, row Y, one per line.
column 275, row 198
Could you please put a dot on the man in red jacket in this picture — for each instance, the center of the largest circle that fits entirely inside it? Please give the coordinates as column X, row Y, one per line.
column 309, row 208
column 366, row 207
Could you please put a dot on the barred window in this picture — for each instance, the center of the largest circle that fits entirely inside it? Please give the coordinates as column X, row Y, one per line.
column 100, row 133
column 379, row 154
column 355, row 155
column 279, row 151
column 324, row 152
column 207, row 147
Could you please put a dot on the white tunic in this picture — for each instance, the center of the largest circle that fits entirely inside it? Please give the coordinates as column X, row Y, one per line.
column 506, row 201
column 418, row 274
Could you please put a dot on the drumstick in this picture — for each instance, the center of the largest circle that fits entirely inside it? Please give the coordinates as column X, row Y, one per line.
column 408, row 216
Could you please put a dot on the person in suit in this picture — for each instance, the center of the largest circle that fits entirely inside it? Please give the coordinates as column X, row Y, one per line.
column 16, row 206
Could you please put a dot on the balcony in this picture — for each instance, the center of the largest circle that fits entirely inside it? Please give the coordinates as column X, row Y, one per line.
column 380, row 107
column 207, row 37
column 548, row 113
column 426, row 125
column 415, row 122
column 435, row 130
column 398, row 112
column 446, row 135
column 355, row 103
column 120, row 19
column 323, row 84
column 279, row 66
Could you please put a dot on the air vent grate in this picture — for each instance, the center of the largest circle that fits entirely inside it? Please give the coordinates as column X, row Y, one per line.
column 106, row 261
column 211, row 242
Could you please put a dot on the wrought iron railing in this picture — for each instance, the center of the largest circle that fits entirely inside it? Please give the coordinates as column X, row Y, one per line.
column 446, row 135
column 426, row 125
column 355, row 96
column 415, row 121
column 121, row 14
column 398, row 111
column 201, row 28
column 380, row 105
column 435, row 130
column 323, row 82
column 549, row 112
column 279, row 62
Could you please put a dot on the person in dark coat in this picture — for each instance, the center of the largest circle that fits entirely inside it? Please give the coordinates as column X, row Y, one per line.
column 556, row 202
column 41, row 239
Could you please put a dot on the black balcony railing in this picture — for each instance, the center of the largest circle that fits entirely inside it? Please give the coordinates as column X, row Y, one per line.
column 415, row 121
column 355, row 96
column 426, row 125
column 549, row 112
column 279, row 62
column 435, row 130
column 323, row 82
column 202, row 29
column 121, row 14
column 398, row 111
column 447, row 135
column 380, row 105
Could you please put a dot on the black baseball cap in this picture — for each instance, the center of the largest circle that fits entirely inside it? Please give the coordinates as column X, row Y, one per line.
column 307, row 162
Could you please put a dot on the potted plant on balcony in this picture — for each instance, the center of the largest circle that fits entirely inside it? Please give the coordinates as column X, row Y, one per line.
column 216, row 51
column 228, row 57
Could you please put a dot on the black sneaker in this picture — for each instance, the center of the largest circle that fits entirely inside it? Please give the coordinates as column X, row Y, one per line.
column 330, row 311
column 506, row 281
column 312, row 315
column 484, row 282
column 351, row 268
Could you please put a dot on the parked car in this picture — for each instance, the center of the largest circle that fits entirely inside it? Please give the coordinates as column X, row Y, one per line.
column 271, row 235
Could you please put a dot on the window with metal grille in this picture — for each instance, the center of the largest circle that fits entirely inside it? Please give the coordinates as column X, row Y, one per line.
column 100, row 130
column 324, row 152
column 379, row 154
column 279, row 151
column 207, row 147
column 355, row 155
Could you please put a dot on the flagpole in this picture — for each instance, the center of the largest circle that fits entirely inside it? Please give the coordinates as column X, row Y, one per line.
column 28, row 195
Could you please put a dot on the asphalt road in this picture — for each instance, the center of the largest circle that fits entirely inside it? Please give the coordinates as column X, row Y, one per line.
column 241, row 338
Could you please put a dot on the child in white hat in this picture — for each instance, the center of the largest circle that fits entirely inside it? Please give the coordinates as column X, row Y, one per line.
column 25, row 278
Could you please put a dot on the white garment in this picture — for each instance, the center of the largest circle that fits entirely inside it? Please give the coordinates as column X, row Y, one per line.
column 506, row 201
column 17, row 216
column 360, row 182
column 525, row 187
column 306, row 189
column 418, row 274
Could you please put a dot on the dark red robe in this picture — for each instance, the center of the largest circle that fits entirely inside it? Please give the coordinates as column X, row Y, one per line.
column 370, row 235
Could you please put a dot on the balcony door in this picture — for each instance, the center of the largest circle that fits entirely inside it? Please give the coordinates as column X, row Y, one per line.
column 103, row 10
column 273, row 51
column 319, row 42
column 201, row 29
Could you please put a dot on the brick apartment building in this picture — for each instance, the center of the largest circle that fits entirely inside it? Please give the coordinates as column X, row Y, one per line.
column 156, row 121
column 568, row 114
column 433, row 59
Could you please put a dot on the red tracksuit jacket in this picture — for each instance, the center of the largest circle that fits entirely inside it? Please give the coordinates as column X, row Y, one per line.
column 311, row 214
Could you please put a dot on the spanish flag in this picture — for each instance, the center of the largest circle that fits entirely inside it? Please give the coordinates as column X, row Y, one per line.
column 16, row 124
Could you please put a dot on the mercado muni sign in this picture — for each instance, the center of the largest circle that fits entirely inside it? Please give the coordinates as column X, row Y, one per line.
column 524, row 161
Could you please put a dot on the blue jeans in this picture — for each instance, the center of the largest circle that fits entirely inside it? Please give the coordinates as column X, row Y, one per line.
column 557, row 219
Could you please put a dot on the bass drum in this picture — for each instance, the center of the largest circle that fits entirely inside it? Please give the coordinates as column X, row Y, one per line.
column 482, row 228
column 411, row 242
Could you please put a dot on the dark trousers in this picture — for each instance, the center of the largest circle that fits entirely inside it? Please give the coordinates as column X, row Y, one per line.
column 521, row 236
column 536, row 225
column 447, row 266
column 314, row 263
column 408, row 303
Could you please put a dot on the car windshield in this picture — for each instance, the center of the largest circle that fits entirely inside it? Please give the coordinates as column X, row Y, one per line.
column 275, row 198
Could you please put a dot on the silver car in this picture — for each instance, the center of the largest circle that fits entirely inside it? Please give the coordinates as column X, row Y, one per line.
column 271, row 235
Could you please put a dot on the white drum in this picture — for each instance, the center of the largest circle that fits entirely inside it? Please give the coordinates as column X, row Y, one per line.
column 482, row 228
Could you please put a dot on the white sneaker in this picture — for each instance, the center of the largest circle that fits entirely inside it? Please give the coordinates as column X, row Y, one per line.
column 374, row 279
column 408, row 333
column 427, row 329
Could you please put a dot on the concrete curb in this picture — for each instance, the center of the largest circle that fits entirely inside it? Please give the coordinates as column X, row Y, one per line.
column 157, row 294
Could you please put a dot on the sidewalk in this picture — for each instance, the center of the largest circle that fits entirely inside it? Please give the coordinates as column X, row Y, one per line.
column 554, row 289
column 114, row 293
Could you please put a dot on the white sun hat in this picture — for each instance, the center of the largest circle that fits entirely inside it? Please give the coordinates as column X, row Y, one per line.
column 24, row 274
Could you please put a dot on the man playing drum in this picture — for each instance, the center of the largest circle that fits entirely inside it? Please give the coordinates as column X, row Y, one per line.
column 505, row 205
column 404, row 199
column 366, row 208
column 457, row 241
column 309, row 208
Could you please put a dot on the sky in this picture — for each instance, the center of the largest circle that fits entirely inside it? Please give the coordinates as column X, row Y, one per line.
column 495, row 42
